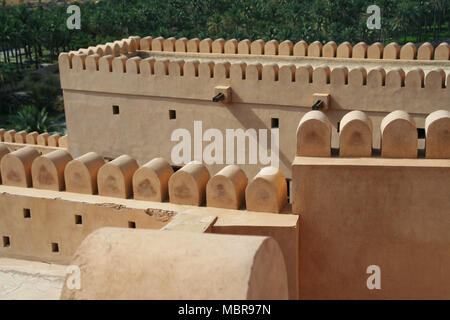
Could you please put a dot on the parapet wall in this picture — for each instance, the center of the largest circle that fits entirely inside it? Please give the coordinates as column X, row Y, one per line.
column 43, row 142
column 377, row 90
column 399, row 136
column 154, row 181
column 361, row 209
column 316, row 49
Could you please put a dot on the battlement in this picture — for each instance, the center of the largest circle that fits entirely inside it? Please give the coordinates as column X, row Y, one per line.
column 50, row 203
column 371, row 88
column 316, row 49
column 398, row 135
column 154, row 181
column 43, row 141
column 353, row 202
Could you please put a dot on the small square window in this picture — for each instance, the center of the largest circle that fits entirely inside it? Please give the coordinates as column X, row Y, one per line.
column 275, row 123
column 78, row 219
column 131, row 224
column 27, row 213
column 420, row 133
column 55, row 247
column 115, row 109
column 6, row 242
column 172, row 114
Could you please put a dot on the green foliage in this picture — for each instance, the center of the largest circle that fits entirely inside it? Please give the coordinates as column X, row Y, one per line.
column 9, row 78
column 338, row 20
column 31, row 118
column 43, row 90
column 40, row 33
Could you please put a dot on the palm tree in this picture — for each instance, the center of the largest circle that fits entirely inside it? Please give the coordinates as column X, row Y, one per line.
column 30, row 118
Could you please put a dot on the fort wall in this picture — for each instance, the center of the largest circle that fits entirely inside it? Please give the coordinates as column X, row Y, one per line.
column 357, row 211
column 45, row 220
column 148, row 87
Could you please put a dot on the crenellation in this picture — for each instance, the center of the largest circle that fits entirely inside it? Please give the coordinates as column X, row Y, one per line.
column 161, row 68
column 222, row 70
column 146, row 43
column 226, row 189
column 158, row 44
column 304, row 74
column 132, row 65
column 425, row 51
column 191, row 69
column 391, row 51
column 47, row 170
column 193, row 45
column 395, row 78
column 114, row 178
column 286, row 48
column 206, row 69
column 20, row 137
column 355, row 136
column 270, row 73
column 150, row 181
column 339, row 76
column 301, row 49
column 244, row 47
column 286, row 73
column 442, row 52
column 218, row 46
column 188, row 185
column 42, row 139
column 375, row 51
column 238, row 71
column 253, row 72
column 344, row 50
column 231, row 46
column 92, row 62
column 315, row 49
column 329, row 50
column 80, row 174
column 408, row 51
column 321, row 75
column 271, row 48
column 105, row 63
column 15, row 167
column 3, row 151
column 168, row 45
column 257, row 47
column 32, row 137
column 53, row 140
column 360, row 51
column 175, row 68
column 398, row 135
column 435, row 79
column 79, row 61
column 205, row 46
column 357, row 77
column 437, row 133
column 376, row 78
column 415, row 78
column 314, row 135
column 267, row 191
column 119, row 64
column 9, row 136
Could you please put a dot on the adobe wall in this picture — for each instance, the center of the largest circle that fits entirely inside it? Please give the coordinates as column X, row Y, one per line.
column 50, row 203
column 146, row 84
column 357, row 210
column 236, row 267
